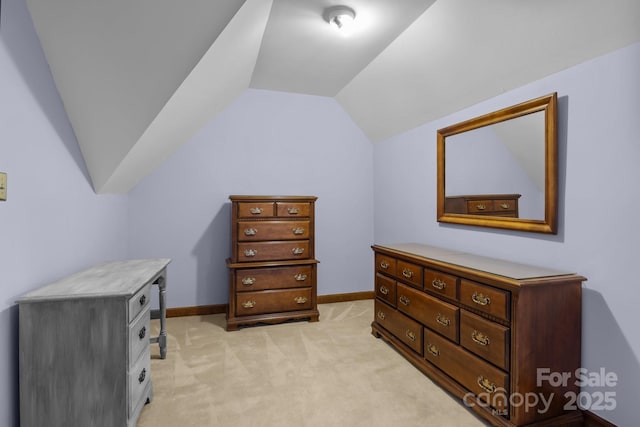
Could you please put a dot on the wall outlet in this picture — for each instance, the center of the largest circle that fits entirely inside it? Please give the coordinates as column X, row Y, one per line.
column 3, row 186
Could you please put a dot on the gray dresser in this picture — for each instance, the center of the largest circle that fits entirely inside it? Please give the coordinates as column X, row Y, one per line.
column 84, row 346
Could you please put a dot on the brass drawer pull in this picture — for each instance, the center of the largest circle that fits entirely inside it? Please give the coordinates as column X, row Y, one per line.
column 407, row 273
column 300, row 277
column 250, row 231
column 250, row 252
column 411, row 335
column 381, row 315
column 403, row 299
column 249, row 304
column 256, row 211
column 142, row 333
column 384, row 265
column 297, row 251
column 480, row 338
column 384, row 290
column 443, row 320
column 486, row 385
column 433, row 349
column 300, row 300
column 438, row 284
column 297, row 231
column 504, row 205
column 248, row 281
column 481, row 207
column 292, row 211
column 480, row 299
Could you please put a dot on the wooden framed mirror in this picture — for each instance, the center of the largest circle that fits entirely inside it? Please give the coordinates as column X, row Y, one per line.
column 500, row 170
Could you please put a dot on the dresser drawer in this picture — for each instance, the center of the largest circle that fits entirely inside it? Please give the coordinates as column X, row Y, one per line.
column 249, row 303
column 138, row 378
column 480, row 207
column 267, row 251
column 430, row 311
column 139, row 334
column 481, row 378
column 257, row 279
column 272, row 230
column 507, row 205
column 386, row 289
column 404, row 328
column 410, row 273
column 441, row 283
column 485, row 338
column 139, row 302
column 256, row 209
column 487, row 299
column 386, row 264
column 292, row 209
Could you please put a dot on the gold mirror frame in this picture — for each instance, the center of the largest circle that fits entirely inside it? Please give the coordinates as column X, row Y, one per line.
column 546, row 104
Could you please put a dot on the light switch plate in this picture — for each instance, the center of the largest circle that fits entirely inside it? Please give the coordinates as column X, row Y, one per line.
column 3, row 186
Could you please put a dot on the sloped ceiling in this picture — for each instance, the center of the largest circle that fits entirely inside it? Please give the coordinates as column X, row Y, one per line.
column 138, row 79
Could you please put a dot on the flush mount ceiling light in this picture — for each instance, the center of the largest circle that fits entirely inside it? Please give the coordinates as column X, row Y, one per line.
column 339, row 16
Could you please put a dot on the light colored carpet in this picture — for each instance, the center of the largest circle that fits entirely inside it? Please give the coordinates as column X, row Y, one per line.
column 324, row 374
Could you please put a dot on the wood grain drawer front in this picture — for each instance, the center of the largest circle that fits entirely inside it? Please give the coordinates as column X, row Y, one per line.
column 480, row 206
column 485, row 338
column 258, row 279
column 292, row 209
column 139, row 335
column 430, row 311
column 386, row 264
column 441, row 283
column 256, row 209
column 139, row 302
column 487, row 299
column 481, row 378
column 263, row 302
column 404, row 328
column 411, row 273
column 507, row 205
column 138, row 378
column 386, row 289
column 272, row 230
column 273, row 251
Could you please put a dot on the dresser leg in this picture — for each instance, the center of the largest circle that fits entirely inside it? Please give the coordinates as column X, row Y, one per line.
column 232, row 327
column 162, row 339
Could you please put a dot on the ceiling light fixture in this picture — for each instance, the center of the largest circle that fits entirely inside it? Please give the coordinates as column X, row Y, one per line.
column 340, row 16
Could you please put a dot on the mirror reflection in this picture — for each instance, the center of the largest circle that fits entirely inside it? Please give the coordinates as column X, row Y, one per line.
column 504, row 161
column 500, row 169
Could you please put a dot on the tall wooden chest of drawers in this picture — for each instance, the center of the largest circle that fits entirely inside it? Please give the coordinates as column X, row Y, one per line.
column 84, row 347
column 272, row 269
column 486, row 330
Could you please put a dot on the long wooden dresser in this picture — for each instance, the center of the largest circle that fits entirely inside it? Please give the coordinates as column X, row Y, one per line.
column 272, row 269
column 483, row 204
column 84, row 346
column 488, row 331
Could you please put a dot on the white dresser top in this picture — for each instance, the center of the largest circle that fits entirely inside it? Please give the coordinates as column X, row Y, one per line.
column 477, row 262
column 115, row 278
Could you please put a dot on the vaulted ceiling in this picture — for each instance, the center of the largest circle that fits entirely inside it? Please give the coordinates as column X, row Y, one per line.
column 139, row 78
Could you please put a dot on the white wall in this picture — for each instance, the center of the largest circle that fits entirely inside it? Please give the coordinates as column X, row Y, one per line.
column 599, row 130
column 52, row 223
column 269, row 143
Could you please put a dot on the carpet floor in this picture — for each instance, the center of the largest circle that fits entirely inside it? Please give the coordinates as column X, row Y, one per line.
column 323, row 374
